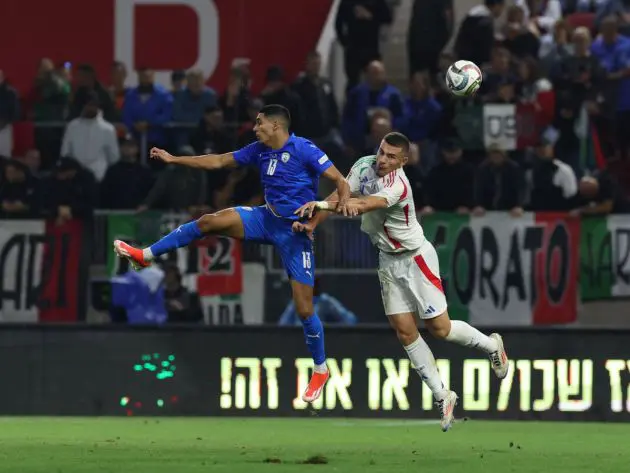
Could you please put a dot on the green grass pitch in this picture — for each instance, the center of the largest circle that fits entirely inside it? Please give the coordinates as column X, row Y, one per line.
column 239, row 445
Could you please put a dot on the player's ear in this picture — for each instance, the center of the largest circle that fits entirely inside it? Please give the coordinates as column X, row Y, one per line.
column 405, row 160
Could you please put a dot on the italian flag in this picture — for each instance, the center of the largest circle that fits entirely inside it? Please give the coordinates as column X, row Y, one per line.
column 500, row 270
column 605, row 257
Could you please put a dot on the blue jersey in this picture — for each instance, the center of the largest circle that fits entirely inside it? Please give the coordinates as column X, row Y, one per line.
column 289, row 175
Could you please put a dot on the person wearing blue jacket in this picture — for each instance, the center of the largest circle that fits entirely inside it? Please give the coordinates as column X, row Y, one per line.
column 329, row 309
column 374, row 92
column 147, row 108
column 190, row 104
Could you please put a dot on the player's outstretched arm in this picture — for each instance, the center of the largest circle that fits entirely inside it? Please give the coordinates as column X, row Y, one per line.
column 343, row 188
column 206, row 161
column 360, row 205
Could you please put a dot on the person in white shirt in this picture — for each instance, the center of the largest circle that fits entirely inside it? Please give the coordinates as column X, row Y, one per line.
column 408, row 265
column 91, row 140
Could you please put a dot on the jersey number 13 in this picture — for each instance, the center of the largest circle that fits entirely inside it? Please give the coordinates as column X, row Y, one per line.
column 271, row 169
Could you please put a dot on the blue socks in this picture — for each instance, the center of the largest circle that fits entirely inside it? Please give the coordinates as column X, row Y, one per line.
column 181, row 236
column 314, row 335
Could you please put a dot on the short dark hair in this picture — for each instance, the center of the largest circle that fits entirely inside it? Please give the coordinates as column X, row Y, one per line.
column 399, row 140
column 87, row 68
column 277, row 111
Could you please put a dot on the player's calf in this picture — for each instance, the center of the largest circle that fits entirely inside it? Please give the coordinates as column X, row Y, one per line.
column 460, row 332
column 423, row 362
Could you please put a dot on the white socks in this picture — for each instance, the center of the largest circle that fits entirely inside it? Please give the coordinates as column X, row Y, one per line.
column 424, row 363
column 468, row 336
column 320, row 368
column 147, row 255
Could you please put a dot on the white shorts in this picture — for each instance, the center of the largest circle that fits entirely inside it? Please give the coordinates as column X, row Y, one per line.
column 411, row 283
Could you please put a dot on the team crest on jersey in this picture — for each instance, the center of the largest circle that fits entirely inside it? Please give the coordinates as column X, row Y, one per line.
column 285, row 157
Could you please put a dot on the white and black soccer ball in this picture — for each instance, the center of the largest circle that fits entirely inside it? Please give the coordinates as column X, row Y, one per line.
column 463, row 78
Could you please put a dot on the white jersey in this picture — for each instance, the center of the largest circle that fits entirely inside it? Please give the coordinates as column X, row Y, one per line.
column 394, row 229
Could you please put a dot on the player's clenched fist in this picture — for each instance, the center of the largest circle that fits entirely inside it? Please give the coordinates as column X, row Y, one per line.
column 157, row 153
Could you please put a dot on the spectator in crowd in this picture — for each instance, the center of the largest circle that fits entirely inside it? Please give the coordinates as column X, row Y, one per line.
column 541, row 15
column 320, row 121
column 499, row 184
column 421, row 116
column 612, row 50
column 505, row 92
column 581, row 6
column 519, row 37
column 476, row 37
column 579, row 80
column 374, row 92
column 50, row 95
column 535, row 89
column 137, row 297
column 430, row 29
column 118, row 89
column 9, row 112
column 556, row 46
column 380, row 125
column 440, row 90
column 329, row 309
column 618, row 9
column 87, row 86
column 450, row 185
column 178, row 81
column 499, row 71
column 70, row 193
column 33, row 161
column 9, row 103
column 211, row 135
column 64, row 70
column 126, row 182
column 358, row 25
column 191, row 103
column 147, row 108
column 246, row 133
column 241, row 187
column 237, row 97
column 182, row 306
column 276, row 91
column 179, row 188
column 91, row 140
column 18, row 191
column 414, row 174
column 600, row 194
column 49, row 98
column 553, row 183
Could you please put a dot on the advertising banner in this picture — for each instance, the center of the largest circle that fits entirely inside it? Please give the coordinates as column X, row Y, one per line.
column 554, row 375
column 500, row 270
column 41, row 271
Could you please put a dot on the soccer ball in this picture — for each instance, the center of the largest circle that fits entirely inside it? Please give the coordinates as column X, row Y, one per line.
column 463, row 78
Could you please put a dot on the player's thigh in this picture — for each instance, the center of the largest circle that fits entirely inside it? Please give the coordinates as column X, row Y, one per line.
column 396, row 298
column 252, row 223
column 296, row 252
column 423, row 279
column 224, row 222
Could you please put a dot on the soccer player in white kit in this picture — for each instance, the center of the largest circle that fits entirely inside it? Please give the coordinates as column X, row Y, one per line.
column 408, row 265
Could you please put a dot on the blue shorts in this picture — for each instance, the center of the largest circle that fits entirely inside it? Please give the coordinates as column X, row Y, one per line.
column 296, row 249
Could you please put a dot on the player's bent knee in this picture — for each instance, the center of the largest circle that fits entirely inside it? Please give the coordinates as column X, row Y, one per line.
column 225, row 222
column 208, row 223
column 405, row 327
column 439, row 326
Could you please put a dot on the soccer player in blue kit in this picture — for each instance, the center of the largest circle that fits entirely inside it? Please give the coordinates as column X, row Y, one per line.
column 290, row 167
